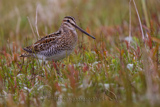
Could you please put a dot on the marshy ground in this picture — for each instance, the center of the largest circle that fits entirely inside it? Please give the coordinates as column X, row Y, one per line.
column 119, row 68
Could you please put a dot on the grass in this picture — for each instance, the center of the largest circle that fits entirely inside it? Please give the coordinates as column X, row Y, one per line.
column 107, row 71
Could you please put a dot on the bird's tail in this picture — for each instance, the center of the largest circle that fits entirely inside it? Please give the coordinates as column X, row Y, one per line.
column 26, row 55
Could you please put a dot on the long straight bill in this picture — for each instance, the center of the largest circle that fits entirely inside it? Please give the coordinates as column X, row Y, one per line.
column 84, row 32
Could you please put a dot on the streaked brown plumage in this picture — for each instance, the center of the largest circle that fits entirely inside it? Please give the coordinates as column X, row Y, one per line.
column 58, row 45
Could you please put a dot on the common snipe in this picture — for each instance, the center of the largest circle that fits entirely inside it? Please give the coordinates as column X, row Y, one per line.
column 58, row 45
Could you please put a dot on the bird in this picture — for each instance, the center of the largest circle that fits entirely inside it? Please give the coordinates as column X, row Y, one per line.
column 57, row 45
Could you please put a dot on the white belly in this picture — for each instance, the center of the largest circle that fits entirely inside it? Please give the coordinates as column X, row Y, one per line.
column 55, row 57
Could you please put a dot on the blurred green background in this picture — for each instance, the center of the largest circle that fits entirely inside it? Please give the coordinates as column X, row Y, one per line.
column 94, row 14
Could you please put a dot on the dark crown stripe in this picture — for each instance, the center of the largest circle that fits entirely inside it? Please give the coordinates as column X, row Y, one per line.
column 69, row 17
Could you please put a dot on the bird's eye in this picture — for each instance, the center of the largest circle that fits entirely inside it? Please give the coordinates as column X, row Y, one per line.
column 67, row 20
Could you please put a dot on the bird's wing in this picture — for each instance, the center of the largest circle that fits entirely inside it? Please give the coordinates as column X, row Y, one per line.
column 43, row 44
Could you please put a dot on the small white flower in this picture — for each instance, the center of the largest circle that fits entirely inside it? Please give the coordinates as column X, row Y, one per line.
column 128, row 38
column 130, row 67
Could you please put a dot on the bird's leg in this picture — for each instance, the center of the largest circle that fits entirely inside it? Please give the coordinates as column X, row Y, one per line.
column 55, row 66
column 43, row 63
